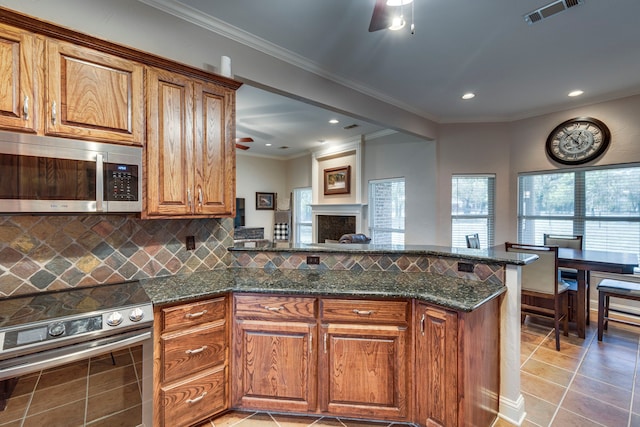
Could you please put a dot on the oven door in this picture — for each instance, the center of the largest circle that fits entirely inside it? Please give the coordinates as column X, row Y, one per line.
column 27, row 364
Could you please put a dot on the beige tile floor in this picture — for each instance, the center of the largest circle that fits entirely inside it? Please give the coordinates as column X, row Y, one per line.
column 587, row 384
column 92, row 392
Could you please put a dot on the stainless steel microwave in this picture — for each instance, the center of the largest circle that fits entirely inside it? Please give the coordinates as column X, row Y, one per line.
column 59, row 175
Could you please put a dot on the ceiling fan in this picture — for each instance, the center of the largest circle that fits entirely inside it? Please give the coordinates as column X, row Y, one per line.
column 241, row 141
column 388, row 14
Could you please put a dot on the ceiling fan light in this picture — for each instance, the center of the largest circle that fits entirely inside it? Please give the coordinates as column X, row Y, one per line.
column 398, row 2
column 397, row 23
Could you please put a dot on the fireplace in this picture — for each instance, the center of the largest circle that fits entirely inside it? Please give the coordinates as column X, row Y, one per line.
column 332, row 227
column 331, row 221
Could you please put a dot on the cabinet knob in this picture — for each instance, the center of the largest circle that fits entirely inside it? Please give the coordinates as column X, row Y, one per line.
column 25, row 108
column 54, row 112
column 197, row 399
column 196, row 350
column 195, row 315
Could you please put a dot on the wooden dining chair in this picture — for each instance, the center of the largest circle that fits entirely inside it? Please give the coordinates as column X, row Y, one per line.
column 473, row 241
column 543, row 295
column 569, row 275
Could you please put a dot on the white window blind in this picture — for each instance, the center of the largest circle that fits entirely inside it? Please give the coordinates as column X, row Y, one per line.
column 472, row 209
column 386, row 211
column 302, row 216
column 602, row 204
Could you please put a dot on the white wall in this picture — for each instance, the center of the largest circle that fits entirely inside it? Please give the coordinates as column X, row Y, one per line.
column 263, row 175
column 473, row 148
column 401, row 155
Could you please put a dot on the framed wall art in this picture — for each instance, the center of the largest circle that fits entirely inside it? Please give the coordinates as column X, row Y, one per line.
column 265, row 201
column 337, row 180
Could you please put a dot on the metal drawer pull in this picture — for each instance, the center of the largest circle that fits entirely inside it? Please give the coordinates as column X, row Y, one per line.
column 54, row 113
column 200, row 196
column 195, row 315
column 363, row 313
column 325, row 343
column 189, row 197
column 25, row 108
column 422, row 323
column 266, row 307
column 197, row 399
column 197, row 350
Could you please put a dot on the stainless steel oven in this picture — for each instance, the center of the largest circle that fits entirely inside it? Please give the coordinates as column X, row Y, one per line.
column 60, row 175
column 50, row 329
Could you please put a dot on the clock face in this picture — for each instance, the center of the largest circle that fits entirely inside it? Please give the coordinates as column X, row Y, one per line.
column 578, row 141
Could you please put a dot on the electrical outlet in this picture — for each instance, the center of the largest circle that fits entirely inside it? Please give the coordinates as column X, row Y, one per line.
column 465, row 267
column 313, row 260
column 191, row 243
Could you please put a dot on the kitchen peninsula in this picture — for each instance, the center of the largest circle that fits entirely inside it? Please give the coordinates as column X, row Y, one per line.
column 405, row 334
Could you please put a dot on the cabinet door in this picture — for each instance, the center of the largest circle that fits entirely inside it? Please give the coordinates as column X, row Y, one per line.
column 363, row 371
column 169, row 160
column 436, row 367
column 275, row 366
column 18, row 82
column 93, row 95
column 214, row 150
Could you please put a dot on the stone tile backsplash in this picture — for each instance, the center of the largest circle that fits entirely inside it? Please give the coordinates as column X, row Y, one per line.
column 41, row 253
column 493, row 273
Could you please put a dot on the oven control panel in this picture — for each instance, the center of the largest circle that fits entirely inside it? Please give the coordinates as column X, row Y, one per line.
column 73, row 329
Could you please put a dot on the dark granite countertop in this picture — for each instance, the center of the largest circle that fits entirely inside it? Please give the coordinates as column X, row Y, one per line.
column 450, row 292
column 495, row 254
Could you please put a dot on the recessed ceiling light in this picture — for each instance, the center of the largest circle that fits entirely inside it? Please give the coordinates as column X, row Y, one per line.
column 468, row 95
column 398, row 2
column 334, row 121
column 268, row 144
column 576, row 93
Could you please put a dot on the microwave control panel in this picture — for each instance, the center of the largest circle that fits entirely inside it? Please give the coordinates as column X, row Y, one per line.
column 121, row 182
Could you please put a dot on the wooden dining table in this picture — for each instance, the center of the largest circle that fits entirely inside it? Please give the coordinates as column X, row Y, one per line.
column 586, row 261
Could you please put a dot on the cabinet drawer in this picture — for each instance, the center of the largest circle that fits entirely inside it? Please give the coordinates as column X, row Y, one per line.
column 357, row 310
column 274, row 307
column 198, row 349
column 199, row 397
column 186, row 315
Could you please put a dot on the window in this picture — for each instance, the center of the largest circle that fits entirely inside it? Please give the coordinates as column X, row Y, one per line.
column 472, row 209
column 602, row 204
column 302, row 215
column 386, row 211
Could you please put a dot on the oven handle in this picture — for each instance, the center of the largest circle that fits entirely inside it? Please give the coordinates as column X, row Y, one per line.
column 48, row 359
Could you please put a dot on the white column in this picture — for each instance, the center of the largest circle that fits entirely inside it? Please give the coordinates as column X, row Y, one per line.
column 511, row 400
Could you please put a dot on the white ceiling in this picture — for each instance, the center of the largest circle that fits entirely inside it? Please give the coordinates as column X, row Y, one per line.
column 517, row 70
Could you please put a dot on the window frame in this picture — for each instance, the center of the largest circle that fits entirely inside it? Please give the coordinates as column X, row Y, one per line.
column 373, row 229
column 487, row 233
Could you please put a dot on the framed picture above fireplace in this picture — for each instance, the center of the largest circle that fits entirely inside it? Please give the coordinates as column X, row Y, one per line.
column 265, row 201
column 337, row 180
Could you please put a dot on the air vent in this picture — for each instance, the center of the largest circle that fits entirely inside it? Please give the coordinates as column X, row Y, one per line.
column 350, row 127
column 550, row 10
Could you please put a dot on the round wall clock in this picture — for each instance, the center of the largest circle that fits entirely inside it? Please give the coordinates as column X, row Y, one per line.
column 578, row 141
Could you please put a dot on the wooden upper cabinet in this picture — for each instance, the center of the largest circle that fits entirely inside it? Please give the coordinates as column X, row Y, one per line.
column 93, row 95
column 18, row 81
column 190, row 164
column 169, row 160
column 214, row 149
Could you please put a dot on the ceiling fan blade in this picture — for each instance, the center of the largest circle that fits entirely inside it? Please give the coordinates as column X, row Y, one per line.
column 242, row 147
column 245, row 139
column 380, row 19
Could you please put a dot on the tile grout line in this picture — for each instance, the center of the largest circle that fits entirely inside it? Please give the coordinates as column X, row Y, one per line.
column 33, row 392
column 573, row 377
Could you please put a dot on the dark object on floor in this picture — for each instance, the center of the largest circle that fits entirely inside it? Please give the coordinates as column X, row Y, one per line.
column 354, row 238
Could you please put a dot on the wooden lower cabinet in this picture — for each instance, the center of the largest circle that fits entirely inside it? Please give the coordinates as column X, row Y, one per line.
column 457, row 365
column 363, row 371
column 191, row 362
column 275, row 366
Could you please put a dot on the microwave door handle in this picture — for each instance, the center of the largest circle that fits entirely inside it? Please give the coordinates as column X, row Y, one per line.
column 99, row 182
